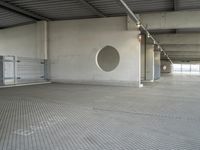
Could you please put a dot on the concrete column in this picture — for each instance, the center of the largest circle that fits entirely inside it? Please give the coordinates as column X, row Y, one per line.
column 157, row 64
column 1, row 71
column 42, row 40
column 150, row 63
column 42, row 45
column 143, row 57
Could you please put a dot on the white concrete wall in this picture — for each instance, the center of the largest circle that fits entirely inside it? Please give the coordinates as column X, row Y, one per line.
column 73, row 46
column 22, row 41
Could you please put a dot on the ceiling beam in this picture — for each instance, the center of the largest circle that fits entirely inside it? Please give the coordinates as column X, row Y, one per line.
column 185, row 58
column 177, row 39
column 178, row 53
column 182, row 59
column 21, row 11
column 182, row 48
column 141, row 27
column 92, row 8
column 171, row 20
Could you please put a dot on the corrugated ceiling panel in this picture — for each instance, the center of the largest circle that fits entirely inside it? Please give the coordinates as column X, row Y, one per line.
column 188, row 4
column 150, row 5
column 108, row 7
column 8, row 18
column 74, row 9
column 55, row 9
column 112, row 7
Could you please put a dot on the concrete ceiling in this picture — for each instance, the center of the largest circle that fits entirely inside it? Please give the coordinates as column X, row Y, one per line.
column 180, row 47
column 14, row 12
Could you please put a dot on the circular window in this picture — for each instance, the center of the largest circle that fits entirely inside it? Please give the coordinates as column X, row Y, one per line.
column 108, row 58
column 164, row 67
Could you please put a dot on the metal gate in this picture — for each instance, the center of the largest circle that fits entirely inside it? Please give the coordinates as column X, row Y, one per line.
column 22, row 70
column 9, row 70
column 30, row 70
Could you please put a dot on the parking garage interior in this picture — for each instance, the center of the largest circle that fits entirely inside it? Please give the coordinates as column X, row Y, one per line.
column 99, row 75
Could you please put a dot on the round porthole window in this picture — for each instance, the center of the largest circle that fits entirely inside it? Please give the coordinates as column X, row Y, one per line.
column 164, row 67
column 108, row 58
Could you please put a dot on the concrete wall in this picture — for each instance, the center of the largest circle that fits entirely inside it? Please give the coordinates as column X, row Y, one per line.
column 23, row 41
column 73, row 46
column 28, row 44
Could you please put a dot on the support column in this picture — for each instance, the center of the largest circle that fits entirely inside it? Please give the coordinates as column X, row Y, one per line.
column 42, row 45
column 1, row 71
column 42, row 40
column 143, row 57
column 150, row 63
column 157, row 65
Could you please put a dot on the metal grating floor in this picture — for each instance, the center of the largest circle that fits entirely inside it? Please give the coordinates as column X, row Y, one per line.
column 161, row 116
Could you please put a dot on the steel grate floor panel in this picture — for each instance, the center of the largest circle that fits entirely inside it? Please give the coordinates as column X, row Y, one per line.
column 81, row 117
